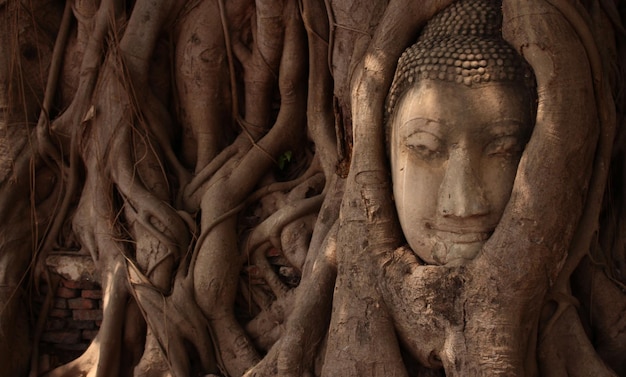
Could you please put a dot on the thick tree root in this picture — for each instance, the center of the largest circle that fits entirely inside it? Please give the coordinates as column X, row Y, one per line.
column 365, row 305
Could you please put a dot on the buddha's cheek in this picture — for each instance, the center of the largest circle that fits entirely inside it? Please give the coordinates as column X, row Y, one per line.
column 498, row 178
column 415, row 188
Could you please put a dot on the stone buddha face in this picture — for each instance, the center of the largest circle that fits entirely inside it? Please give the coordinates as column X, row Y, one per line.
column 454, row 153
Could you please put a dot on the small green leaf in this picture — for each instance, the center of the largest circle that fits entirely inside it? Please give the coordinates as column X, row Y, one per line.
column 283, row 159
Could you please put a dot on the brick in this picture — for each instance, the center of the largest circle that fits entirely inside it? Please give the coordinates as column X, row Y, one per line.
column 95, row 294
column 81, row 303
column 65, row 292
column 81, row 325
column 55, row 323
column 60, row 313
column 87, row 315
column 89, row 284
column 80, row 284
column 70, row 284
column 61, row 337
column 60, row 303
column 89, row 334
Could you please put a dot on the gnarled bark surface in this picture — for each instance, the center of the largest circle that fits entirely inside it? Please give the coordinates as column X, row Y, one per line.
column 223, row 163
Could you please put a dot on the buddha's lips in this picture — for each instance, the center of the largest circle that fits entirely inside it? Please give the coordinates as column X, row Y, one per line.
column 464, row 237
column 462, row 234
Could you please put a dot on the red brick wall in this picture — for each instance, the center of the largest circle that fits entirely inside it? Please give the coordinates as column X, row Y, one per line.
column 73, row 321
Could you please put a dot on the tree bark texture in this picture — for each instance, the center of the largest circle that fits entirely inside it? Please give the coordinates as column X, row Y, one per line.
column 224, row 165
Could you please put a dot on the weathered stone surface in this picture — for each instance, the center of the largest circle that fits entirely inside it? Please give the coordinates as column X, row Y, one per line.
column 73, row 267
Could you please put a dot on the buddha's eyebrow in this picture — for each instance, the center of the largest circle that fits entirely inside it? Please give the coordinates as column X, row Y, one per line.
column 422, row 123
column 504, row 127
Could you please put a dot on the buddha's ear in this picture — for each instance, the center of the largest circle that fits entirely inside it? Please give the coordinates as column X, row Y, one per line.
column 550, row 191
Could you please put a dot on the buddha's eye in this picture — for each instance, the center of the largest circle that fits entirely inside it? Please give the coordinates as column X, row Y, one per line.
column 505, row 146
column 425, row 145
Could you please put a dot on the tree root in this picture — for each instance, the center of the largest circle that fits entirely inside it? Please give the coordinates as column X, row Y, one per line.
column 268, row 326
column 588, row 224
column 294, row 353
column 215, row 269
column 258, row 259
column 595, row 290
column 175, row 319
column 154, row 214
column 295, row 239
column 320, row 114
column 201, row 77
column 566, row 350
column 89, row 69
column 53, row 283
column 123, row 132
column 367, row 209
column 271, row 228
column 43, row 131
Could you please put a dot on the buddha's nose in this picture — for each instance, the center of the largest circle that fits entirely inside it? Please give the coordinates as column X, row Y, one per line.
column 461, row 193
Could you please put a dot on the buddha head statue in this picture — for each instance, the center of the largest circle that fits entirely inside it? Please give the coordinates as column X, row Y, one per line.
column 459, row 114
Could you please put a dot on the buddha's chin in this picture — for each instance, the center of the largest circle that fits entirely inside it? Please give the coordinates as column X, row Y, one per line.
column 455, row 253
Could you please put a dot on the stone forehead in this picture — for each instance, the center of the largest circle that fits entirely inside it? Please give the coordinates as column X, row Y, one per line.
column 461, row 44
